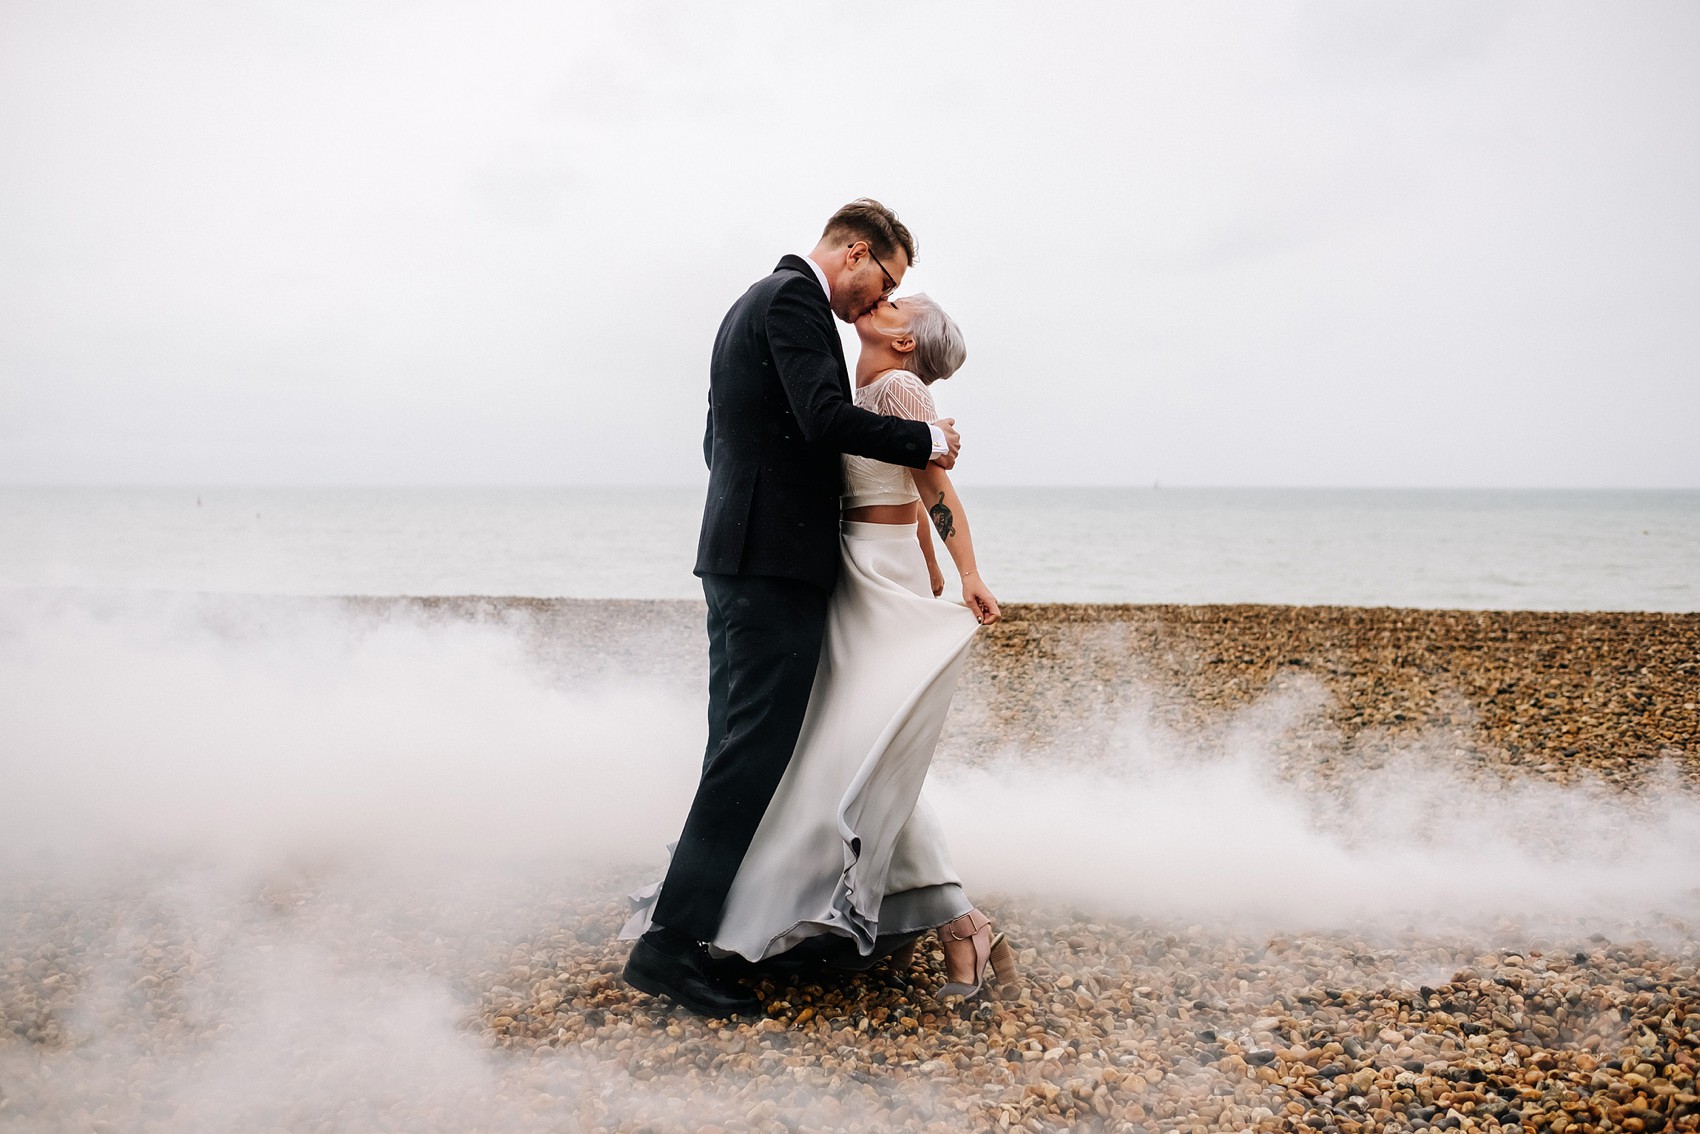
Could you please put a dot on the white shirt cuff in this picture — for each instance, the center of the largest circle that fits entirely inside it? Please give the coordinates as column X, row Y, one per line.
column 939, row 447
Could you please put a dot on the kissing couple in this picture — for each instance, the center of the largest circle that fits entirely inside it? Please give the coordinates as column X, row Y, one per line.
column 831, row 656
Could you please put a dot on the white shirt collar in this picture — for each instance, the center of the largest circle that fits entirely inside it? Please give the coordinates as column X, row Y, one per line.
column 820, row 274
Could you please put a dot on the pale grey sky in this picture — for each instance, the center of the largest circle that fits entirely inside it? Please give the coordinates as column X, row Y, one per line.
column 1343, row 243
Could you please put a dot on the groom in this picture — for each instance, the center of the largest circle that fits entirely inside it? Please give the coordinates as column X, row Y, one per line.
column 779, row 415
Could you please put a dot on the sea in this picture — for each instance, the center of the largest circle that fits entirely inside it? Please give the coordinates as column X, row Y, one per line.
column 1467, row 549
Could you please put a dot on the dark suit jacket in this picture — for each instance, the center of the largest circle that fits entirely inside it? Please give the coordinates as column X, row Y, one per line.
column 779, row 415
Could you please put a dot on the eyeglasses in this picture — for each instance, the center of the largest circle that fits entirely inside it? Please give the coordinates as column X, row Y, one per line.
column 890, row 283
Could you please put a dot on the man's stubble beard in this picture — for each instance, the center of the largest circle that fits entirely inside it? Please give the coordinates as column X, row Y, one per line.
column 842, row 309
column 850, row 316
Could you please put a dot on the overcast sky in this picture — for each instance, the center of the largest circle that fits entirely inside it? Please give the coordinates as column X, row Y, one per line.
column 1229, row 244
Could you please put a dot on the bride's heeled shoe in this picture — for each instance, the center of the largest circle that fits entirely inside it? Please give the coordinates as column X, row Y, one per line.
column 991, row 953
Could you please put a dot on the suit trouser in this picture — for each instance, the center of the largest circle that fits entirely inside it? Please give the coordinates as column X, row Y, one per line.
column 764, row 642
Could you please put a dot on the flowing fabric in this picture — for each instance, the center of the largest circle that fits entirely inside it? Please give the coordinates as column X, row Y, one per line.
column 848, row 845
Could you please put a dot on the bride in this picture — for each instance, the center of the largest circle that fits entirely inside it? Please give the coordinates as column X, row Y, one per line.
column 849, row 862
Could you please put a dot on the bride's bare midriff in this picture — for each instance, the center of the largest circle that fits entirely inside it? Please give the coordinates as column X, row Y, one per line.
column 881, row 514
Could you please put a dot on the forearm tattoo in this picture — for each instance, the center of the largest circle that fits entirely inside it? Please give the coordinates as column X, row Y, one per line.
column 942, row 519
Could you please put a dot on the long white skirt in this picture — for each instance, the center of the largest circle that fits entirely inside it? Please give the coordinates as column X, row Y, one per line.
column 849, row 846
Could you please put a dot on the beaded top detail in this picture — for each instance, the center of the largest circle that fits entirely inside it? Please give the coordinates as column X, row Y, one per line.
column 896, row 393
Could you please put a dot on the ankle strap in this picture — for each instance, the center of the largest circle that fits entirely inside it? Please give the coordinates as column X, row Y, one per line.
column 976, row 922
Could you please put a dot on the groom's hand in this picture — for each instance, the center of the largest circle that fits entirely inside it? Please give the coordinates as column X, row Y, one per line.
column 952, row 441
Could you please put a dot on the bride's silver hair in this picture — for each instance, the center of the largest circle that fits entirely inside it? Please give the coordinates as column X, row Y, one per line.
column 939, row 350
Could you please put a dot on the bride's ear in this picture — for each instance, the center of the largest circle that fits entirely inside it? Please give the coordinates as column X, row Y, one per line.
column 903, row 344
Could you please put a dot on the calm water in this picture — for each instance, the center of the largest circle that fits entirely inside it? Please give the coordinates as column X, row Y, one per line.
column 1623, row 550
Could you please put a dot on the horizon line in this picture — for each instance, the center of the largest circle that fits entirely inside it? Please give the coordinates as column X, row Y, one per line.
column 213, row 486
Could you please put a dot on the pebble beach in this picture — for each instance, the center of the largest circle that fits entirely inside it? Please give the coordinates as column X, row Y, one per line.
column 122, row 1010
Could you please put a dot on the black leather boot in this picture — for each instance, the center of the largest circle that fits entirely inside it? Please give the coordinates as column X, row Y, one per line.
column 663, row 963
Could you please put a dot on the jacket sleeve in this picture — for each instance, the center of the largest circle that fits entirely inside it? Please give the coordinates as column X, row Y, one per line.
column 708, row 437
column 809, row 372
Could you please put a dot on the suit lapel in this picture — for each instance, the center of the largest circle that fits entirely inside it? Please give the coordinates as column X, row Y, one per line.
column 838, row 353
column 801, row 266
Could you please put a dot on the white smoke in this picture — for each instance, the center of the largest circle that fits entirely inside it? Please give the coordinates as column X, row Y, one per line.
column 1170, row 825
column 331, row 827
column 241, row 727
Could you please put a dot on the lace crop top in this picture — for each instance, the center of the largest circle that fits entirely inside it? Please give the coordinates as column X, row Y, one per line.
column 897, row 393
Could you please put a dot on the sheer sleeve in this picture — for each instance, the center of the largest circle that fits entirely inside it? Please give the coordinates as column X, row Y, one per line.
column 907, row 396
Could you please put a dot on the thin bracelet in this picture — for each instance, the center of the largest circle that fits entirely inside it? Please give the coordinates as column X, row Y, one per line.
column 970, row 573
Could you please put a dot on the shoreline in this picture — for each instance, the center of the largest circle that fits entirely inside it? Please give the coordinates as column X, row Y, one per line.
column 1554, row 694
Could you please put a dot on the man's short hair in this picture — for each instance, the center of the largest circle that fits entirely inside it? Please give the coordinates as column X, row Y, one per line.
column 867, row 219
